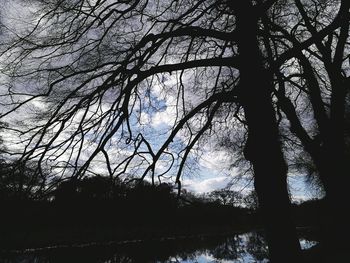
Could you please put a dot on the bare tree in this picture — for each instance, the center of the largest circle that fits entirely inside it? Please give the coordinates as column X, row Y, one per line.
column 226, row 197
column 91, row 76
column 94, row 68
column 311, row 90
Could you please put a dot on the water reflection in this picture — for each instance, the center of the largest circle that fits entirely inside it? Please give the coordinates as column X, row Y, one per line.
column 248, row 247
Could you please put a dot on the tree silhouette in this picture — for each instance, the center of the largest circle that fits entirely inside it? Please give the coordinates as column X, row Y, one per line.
column 319, row 78
column 226, row 197
column 90, row 74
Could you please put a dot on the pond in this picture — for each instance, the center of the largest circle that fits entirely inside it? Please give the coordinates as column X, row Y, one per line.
column 246, row 248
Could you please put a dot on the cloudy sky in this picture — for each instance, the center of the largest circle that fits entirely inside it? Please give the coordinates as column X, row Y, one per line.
column 155, row 115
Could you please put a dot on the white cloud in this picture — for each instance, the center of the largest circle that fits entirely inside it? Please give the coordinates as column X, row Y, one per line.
column 145, row 118
column 215, row 160
column 201, row 185
column 164, row 117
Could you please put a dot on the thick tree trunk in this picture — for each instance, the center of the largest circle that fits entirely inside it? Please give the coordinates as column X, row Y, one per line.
column 332, row 164
column 335, row 174
column 263, row 147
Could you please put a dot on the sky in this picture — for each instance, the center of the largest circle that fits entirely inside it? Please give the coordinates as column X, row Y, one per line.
column 213, row 166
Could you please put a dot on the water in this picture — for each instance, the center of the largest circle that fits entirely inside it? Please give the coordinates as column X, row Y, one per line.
column 244, row 248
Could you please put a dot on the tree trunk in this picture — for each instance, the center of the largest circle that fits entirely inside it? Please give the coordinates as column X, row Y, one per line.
column 331, row 161
column 335, row 174
column 263, row 147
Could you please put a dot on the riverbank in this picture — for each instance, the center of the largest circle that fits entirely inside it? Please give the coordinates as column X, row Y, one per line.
column 33, row 224
column 38, row 225
column 182, row 249
column 79, row 236
column 247, row 247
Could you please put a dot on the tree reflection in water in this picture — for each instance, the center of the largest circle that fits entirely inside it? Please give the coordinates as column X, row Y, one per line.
column 248, row 247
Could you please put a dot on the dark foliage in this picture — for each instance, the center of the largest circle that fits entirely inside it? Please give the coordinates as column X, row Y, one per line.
column 125, row 211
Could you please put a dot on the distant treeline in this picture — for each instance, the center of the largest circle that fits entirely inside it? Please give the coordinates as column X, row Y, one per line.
column 95, row 209
column 96, row 200
column 100, row 209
